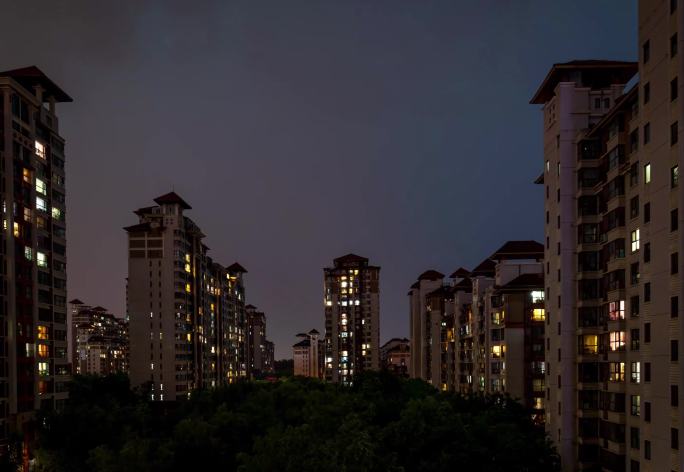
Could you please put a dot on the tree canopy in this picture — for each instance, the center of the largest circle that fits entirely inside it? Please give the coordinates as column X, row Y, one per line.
column 381, row 424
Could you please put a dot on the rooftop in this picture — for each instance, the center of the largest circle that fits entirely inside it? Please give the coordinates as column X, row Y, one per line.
column 172, row 198
column 30, row 76
column 431, row 275
column 486, row 268
column 589, row 73
column 525, row 282
column 236, row 268
column 519, row 250
column 459, row 273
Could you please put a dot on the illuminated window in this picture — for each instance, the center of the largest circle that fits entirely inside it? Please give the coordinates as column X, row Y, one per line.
column 187, row 288
column 26, row 175
column 40, row 149
column 56, row 213
column 27, row 214
column 647, row 173
column 497, row 352
column 43, row 350
column 41, row 187
column 187, row 268
column 538, row 314
column 41, row 259
column 40, row 204
column 187, row 258
column 537, row 296
column 589, row 344
column 617, row 372
column 616, row 340
column 42, row 332
column 43, row 368
column 497, row 318
column 636, row 372
column 16, row 230
column 28, row 253
column 616, row 310
column 635, row 240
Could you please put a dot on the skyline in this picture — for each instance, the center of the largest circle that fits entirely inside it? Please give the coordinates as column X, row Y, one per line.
column 410, row 219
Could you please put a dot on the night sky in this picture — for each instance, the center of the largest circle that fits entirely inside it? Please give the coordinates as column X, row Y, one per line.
column 301, row 131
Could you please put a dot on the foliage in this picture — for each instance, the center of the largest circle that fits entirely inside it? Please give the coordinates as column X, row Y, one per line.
column 381, row 424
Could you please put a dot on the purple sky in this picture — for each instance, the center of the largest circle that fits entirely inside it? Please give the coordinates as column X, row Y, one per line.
column 303, row 130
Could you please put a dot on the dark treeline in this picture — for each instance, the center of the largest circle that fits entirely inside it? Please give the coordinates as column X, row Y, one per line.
column 381, row 424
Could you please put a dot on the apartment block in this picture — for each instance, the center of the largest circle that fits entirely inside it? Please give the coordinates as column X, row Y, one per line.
column 186, row 312
column 352, row 318
column 395, row 356
column 98, row 341
column 308, row 355
column 259, row 349
column 34, row 367
column 483, row 330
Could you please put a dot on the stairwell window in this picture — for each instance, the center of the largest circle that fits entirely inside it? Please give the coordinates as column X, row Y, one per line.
column 647, row 173
column 634, row 236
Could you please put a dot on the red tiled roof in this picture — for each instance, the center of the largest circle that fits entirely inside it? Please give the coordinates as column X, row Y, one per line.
column 30, row 76
column 172, row 198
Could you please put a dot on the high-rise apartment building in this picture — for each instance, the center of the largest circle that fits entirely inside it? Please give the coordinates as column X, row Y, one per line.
column 259, row 349
column 352, row 318
column 186, row 312
column 483, row 331
column 99, row 341
column 395, row 356
column 33, row 318
column 308, row 355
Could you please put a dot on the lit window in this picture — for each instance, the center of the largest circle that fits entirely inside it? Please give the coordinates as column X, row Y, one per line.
column 636, row 372
column 43, row 350
column 40, row 149
column 41, row 187
column 617, row 372
column 616, row 310
column 26, row 175
column 647, row 173
column 635, row 240
column 187, row 268
column 616, row 340
column 43, row 368
column 28, row 253
column 16, row 230
column 41, row 259
column 56, row 213
column 187, row 258
column 538, row 314
column 42, row 332
column 40, row 204
column 187, row 288
column 537, row 296
column 589, row 344
column 27, row 214
column 497, row 352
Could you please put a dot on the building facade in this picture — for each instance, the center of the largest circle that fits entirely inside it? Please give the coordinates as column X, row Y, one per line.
column 34, row 367
column 99, row 341
column 259, row 349
column 352, row 318
column 395, row 356
column 186, row 312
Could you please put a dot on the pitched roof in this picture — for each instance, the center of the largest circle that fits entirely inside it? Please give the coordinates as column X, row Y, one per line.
column 250, row 306
column 99, row 308
column 443, row 291
column 349, row 259
column 431, row 275
column 595, row 73
column 76, row 301
column 486, row 268
column 525, row 282
column 464, row 285
column 172, row 198
column 30, row 76
column 459, row 273
column 139, row 227
column 236, row 268
column 303, row 343
column 519, row 250
column 314, row 331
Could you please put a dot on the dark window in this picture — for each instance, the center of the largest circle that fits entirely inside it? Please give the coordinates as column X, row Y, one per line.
column 674, row 395
column 647, row 332
column 673, row 133
column 647, row 292
column 647, row 371
column 647, row 92
column 634, row 437
column 674, row 350
column 647, row 212
column 674, row 220
column 646, row 51
column 674, row 263
column 634, row 465
column 647, row 133
column 647, row 252
column 674, row 307
column 674, row 89
column 674, row 438
column 673, row 6
column 647, row 411
column 634, row 169
column 634, row 207
column 673, row 45
column 634, row 339
column 634, row 273
column 634, row 306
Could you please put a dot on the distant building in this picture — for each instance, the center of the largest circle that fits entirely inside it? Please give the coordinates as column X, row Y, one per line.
column 99, row 341
column 186, row 312
column 259, row 349
column 308, row 356
column 395, row 356
column 352, row 318
column 34, row 369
